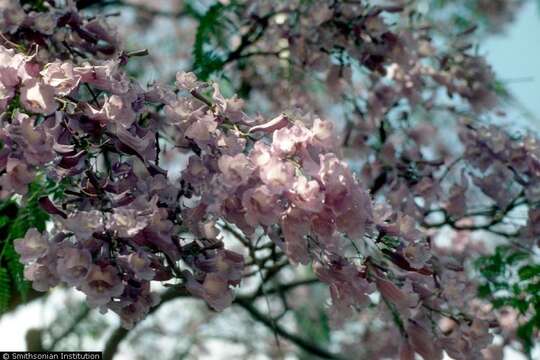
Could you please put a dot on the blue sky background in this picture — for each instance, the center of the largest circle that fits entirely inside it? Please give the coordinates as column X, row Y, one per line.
column 515, row 57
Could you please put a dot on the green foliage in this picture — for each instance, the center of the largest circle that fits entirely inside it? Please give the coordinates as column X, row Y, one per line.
column 5, row 290
column 210, row 47
column 511, row 278
column 36, row 5
column 15, row 220
column 206, row 60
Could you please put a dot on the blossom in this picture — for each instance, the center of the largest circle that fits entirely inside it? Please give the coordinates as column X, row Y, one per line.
column 41, row 276
column 140, row 263
column 287, row 141
column 307, row 194
column 323, row 133
column 277, row 175
column 202, row 129
column 214, row 290
column 187, row 81
column 101, row 284
column 33, row 246
column 106, row 76
column 84, row 223
column 18, row 176
column 61, row 77
column 126, row 222
column 38, row 97
column 261, row 205
column 236, row 169
column 73, row 265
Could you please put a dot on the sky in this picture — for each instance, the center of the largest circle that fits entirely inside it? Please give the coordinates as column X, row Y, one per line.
column 515, row 57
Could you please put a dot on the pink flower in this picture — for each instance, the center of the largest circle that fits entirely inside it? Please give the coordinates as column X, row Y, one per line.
column 323, row 134
column 37, row 97
column 187, row 81
column 287, row 141
column 202, row 130
column 277, row 174
column 119, row 110
column 295, row 227
column 61, row 77
column 261, row 205
column 9, row 67
column 307, row 194
column 106, row 77
column 236, row 169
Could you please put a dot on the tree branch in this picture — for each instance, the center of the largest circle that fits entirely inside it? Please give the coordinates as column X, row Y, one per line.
column 82, row 314
column 305, row 345
column 120, row 333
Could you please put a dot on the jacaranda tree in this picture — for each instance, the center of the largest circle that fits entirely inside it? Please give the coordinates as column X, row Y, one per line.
column 361, row 145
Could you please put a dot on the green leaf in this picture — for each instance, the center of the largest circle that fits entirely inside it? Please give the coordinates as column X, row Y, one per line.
column 5, row 290
column 525, row 333
column 206, row 60
column 484, row 290
column 528, row 271
column 517, row 257
column 533, row 288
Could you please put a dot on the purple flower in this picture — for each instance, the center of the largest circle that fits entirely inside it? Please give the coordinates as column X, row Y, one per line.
column 38, row 144
column 187, row 81
column 126, row 222
column 18, row 176
column 84, row 223
column 139, row 263
column 101, row 284
column 73, row 264
column 41, row 276
column 33, row 246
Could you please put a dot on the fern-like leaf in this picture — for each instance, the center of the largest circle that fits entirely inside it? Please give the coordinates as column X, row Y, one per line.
column 5, row 290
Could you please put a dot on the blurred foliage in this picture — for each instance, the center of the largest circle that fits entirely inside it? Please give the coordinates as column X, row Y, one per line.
column 511, row 278
column 207, row 59
column 313, row 324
